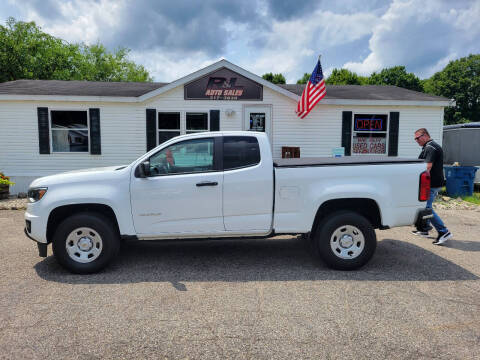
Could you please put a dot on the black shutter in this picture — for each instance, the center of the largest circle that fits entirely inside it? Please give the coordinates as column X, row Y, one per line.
column 151, row 129
column 95, row 139
column 214, row 120
column 393, row 134
column 347, row 132
column 43, row 130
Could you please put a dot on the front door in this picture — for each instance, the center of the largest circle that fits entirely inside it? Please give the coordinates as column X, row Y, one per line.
column 182, row 195
column 257, row 118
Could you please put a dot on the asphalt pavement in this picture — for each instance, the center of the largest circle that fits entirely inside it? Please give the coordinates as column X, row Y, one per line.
column 245, row 299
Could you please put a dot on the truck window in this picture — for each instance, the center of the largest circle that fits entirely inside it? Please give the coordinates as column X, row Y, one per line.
column 189, row 156
column 240, row 151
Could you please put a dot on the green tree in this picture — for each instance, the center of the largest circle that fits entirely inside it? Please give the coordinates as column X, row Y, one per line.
column 459, row 80
column 97, row 64
column 344, row 77
column 396, row 76
column 28, row 53
column 274, row 78
column 304, row 79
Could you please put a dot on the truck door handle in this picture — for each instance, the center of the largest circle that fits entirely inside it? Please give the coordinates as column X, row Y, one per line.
column 207, row 183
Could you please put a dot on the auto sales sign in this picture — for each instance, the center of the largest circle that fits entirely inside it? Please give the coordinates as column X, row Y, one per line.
column 223, row 84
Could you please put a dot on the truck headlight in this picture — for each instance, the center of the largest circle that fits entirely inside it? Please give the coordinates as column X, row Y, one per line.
column 36, row 194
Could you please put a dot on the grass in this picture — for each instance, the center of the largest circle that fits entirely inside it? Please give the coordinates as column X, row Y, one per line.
column 475, row 198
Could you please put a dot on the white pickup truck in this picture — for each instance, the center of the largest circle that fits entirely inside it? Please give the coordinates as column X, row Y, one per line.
column 225, row 185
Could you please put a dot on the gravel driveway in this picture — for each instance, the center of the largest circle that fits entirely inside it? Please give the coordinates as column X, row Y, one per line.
column 250, row 299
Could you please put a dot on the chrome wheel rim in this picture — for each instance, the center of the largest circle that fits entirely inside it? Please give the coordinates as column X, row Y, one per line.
column 347, row 242
column 84, row 245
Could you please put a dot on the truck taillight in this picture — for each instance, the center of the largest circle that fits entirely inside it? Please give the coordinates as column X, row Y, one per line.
column 424, row 191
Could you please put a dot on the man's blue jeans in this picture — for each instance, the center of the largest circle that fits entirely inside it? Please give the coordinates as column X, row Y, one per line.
column 435, row 221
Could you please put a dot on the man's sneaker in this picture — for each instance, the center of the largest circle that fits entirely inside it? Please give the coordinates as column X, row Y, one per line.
column 442, row 238
column 420, row 233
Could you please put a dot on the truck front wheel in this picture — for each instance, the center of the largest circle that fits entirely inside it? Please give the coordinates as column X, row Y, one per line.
column 85, row 243
column 345, row 240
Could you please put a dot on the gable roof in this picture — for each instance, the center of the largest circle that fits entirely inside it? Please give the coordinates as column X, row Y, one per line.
column 216, row 66
column 78, row 88
column 142, row 91
column 368, row 92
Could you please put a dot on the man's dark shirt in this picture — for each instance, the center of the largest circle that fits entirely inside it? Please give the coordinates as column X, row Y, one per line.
column 432, row 152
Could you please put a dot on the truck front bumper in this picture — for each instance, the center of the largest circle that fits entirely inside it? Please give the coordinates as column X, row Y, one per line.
column 35, row 228
column 35, row 225
column 42, row 247
column 422, row 218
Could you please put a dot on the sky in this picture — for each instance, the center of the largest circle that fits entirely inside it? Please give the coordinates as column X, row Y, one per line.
column 174, row 38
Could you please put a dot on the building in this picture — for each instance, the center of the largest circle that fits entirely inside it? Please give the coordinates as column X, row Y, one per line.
column 461, row 144
column 49, row 126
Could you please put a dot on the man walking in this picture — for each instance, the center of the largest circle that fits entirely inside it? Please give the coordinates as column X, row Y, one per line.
column 432, row 153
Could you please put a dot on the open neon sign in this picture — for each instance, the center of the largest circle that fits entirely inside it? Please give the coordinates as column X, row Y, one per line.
column 370, row 122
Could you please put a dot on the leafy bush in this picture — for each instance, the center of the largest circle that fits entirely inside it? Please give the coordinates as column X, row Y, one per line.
column 5, row 180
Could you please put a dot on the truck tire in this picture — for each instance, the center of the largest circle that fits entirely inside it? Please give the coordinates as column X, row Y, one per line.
column 345, row 240
column 85, row 243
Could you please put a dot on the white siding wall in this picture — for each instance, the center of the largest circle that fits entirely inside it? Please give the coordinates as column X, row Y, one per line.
column 321, row 130
column 413, row 118
column 122, row 131
column 123, row 134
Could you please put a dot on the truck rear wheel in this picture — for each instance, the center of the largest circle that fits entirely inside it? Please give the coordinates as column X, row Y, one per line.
column 345, row 240
column 85, row 243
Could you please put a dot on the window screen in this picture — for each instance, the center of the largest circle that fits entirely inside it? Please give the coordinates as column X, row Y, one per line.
column 240, row 151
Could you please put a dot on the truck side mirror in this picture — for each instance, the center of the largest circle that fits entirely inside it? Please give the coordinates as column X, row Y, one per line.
column 143, row 170
column 145, row 165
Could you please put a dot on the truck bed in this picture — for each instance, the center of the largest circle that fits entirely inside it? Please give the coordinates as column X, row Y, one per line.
column 342, row 161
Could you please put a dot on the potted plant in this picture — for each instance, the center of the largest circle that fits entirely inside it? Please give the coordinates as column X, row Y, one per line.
column 5, row 186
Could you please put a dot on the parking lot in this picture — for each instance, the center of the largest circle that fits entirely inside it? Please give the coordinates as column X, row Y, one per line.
column 246, row 299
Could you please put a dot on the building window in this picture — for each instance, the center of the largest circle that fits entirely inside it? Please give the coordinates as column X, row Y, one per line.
column 168, row 126
column 69, row 131
column 369, row 135
column 196, row 122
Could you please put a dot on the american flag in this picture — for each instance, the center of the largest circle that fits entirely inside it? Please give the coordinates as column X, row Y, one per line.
column 314, row 92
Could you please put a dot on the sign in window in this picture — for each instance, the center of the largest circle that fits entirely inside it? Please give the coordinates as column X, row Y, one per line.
column 257, row 122
column 369, row 134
